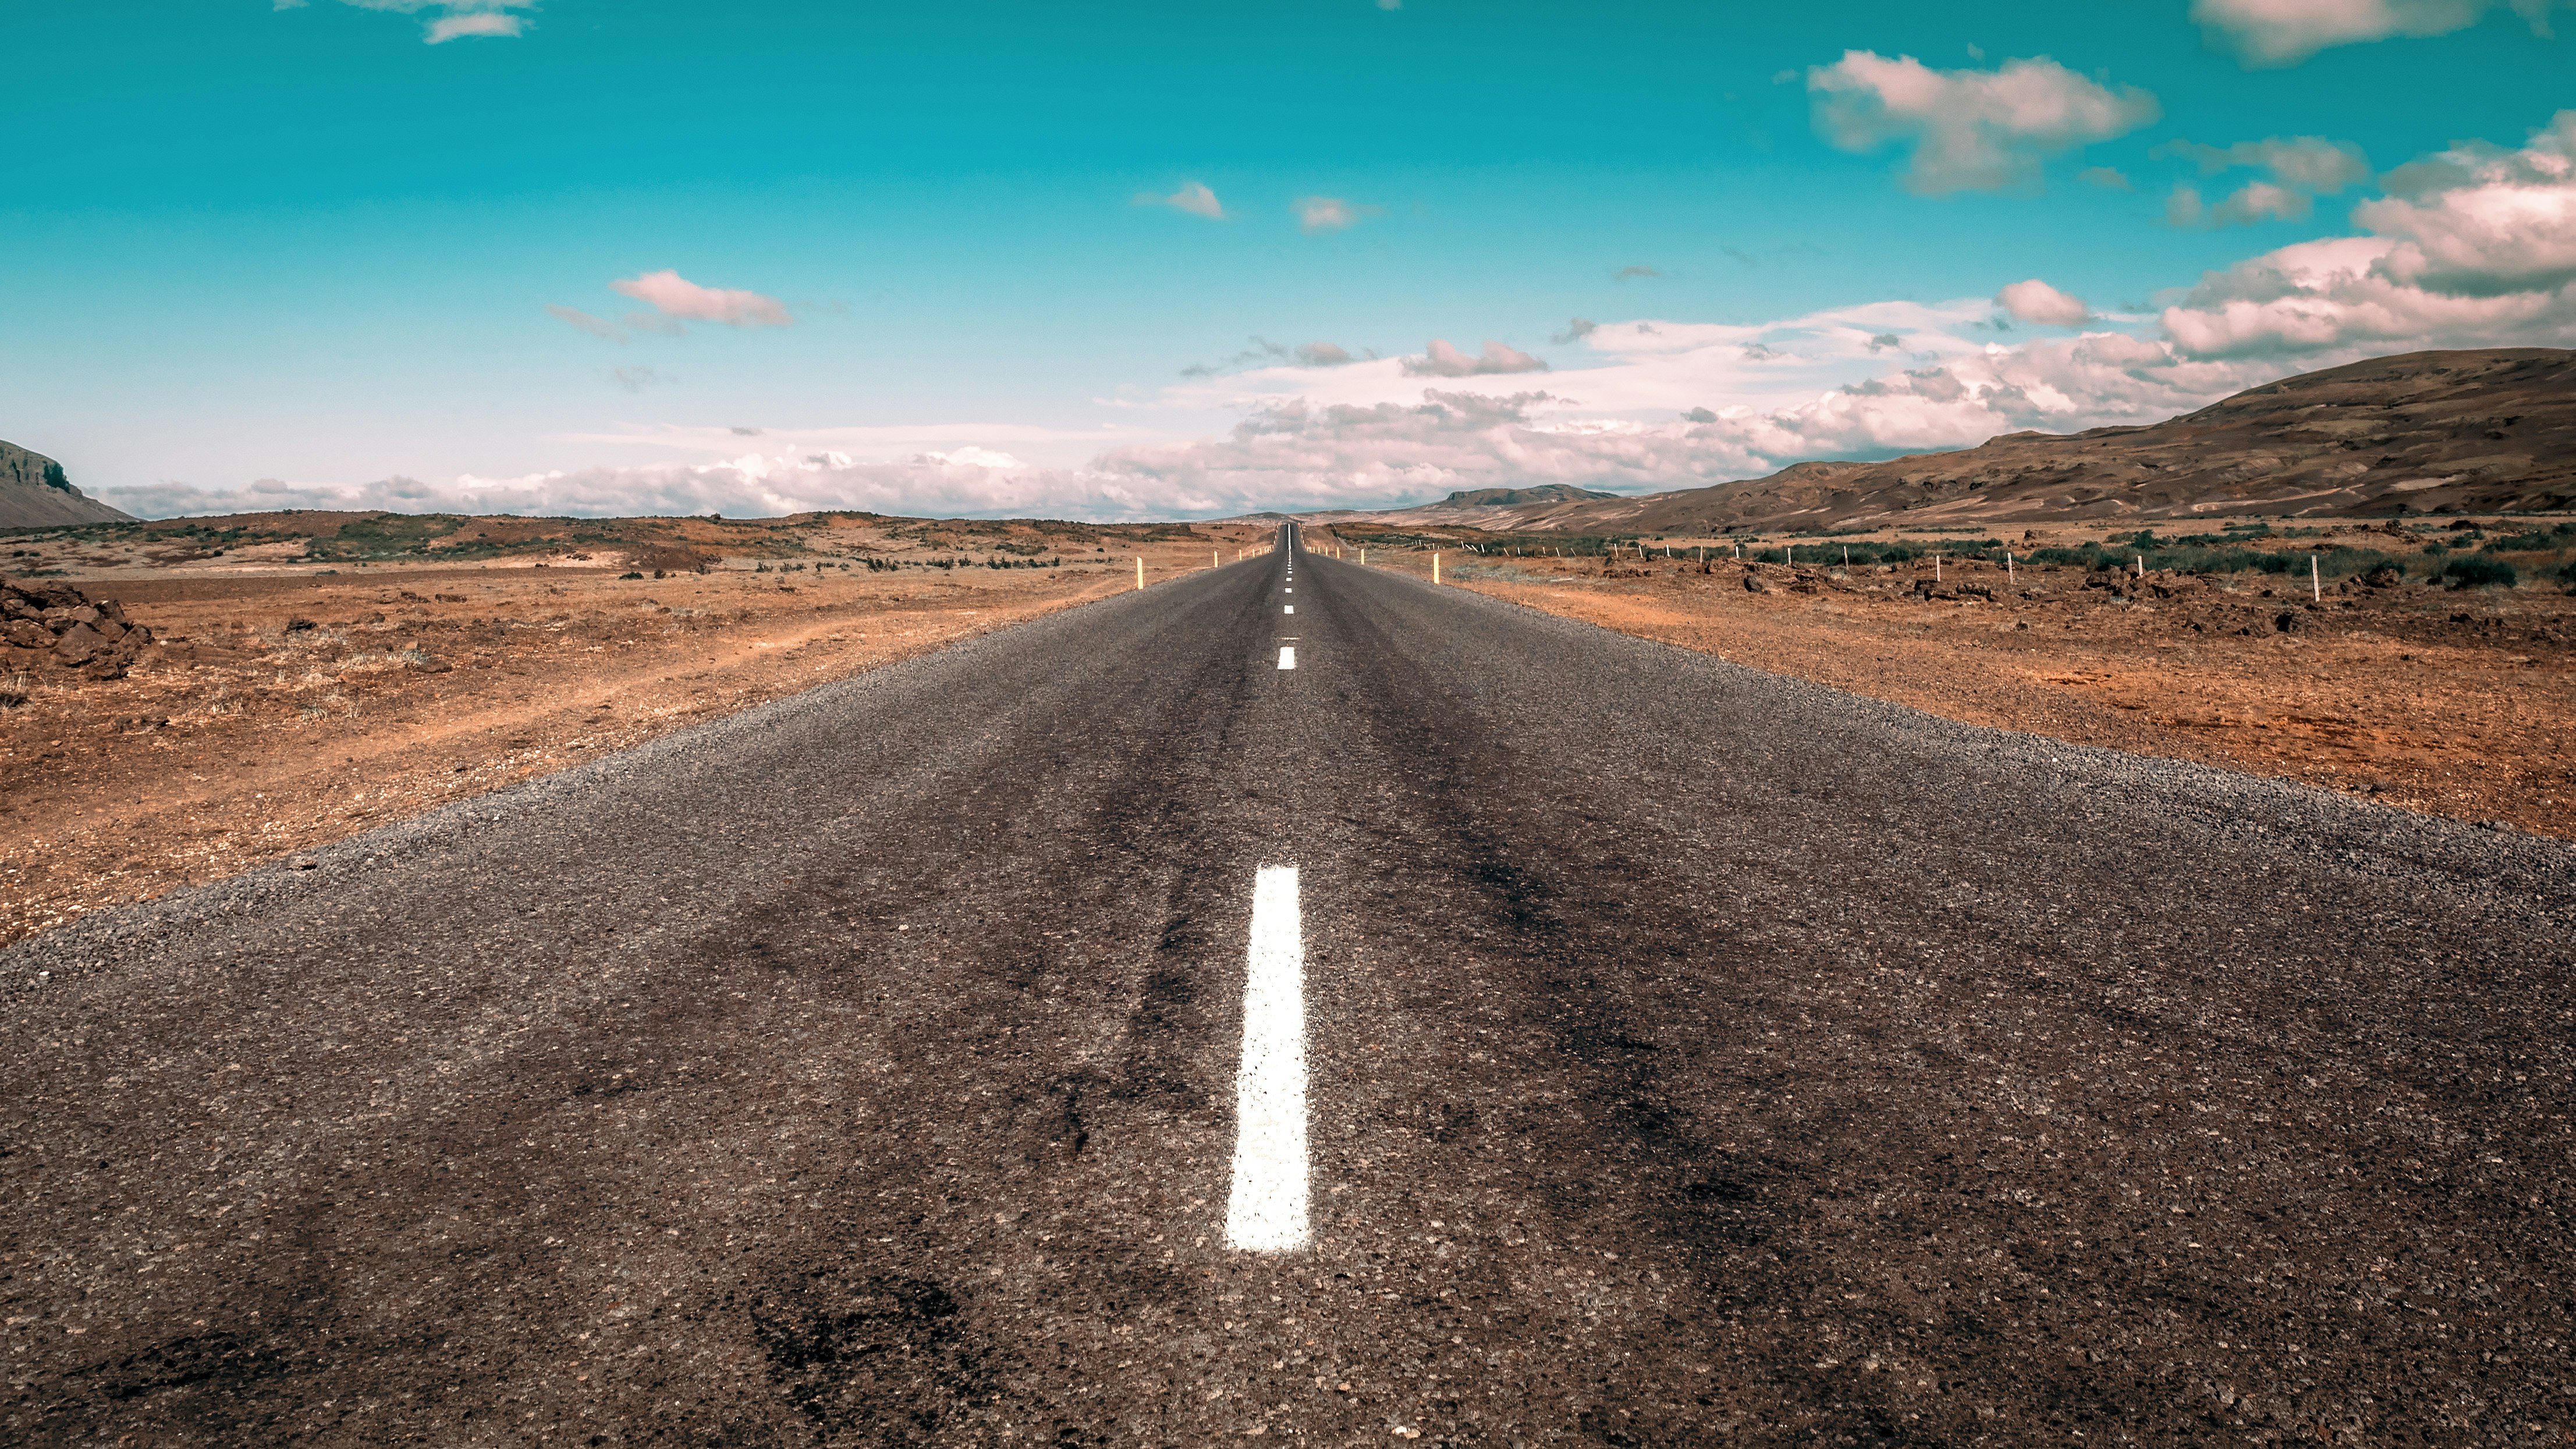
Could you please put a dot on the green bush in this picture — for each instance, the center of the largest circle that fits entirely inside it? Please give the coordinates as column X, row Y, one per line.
column 2479, row 573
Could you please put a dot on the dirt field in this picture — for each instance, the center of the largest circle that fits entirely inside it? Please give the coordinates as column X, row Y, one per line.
column 279, row 707
column 2456, row 701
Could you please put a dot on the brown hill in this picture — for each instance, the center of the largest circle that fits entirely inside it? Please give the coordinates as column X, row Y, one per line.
column 2424, row 432
column 35, row 494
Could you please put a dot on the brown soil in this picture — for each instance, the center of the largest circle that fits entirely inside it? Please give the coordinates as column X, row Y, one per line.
column 2455, row 703
column 279, row 710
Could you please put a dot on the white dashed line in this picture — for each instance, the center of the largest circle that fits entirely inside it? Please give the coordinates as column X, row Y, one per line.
column 1292, row 608
column 1287, row 656
column 1267, row 1213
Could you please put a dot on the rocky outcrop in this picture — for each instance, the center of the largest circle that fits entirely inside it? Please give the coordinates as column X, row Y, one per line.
column 34, row 493
column 56, row 626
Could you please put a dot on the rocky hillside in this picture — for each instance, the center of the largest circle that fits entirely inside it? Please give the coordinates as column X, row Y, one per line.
column 34, row 493
column 2425, row 432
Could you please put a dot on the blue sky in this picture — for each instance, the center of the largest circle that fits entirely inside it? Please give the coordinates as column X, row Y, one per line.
column 911, row 257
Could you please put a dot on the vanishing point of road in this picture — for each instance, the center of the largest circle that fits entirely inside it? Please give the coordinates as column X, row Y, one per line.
column 1409, row 1017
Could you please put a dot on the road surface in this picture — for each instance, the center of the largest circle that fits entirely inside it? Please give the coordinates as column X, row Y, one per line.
column 1489, row 1030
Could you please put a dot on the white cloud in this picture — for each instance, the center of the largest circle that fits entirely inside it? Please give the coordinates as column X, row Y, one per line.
column 1264, row 351
column 2255, row 201
column 2474, row 247
column 448, row 19
column 2036, row 301
column 682, row 300
column 2285, row 32
column 1317, row 215
column 1971, row 130
column 2302, row 168
column 1576, row 329
column 1442, row 360
column 1193, row 197
column 574, row 317
column 472, row 22
column 2107, row 177
column 2310, row 163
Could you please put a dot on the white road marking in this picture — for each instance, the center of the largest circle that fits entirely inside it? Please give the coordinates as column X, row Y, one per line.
column 1287, row 656
column 1267, row 1212
column 1292, row 608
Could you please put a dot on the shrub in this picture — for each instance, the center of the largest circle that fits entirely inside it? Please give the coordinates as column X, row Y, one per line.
column 2479, row 573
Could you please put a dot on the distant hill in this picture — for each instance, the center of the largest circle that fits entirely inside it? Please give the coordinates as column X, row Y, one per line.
column 34, row 493
column 2424, row 432
column 1516, row 497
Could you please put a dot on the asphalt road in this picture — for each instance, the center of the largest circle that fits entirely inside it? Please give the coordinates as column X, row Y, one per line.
column 1688, row 1055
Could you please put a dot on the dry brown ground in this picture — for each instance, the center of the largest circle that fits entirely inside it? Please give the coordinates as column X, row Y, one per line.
column 2456, row 703
column 239, row 737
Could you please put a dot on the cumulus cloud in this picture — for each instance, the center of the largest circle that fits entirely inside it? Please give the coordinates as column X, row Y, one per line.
column 2036, row 301
column 448, row 20
column 1442, row 360
column 1317, row 215
column 2473, row 247
column 1193, row 197
column 1576, row 329
column 2285, row 32
column 1970, row 130
column 682, row 300
column 2301, row 169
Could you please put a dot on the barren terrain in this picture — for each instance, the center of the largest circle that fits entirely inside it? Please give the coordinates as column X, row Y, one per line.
column 2455, row 701
column 279, row 707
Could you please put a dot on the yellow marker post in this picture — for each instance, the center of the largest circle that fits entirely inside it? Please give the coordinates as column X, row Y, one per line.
column 1140, row 573
column 1435, row 568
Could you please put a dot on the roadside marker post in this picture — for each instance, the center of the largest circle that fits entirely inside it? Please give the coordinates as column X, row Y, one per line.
column 2316, row 581
column 1435, row 568
column 2142, row 566
column 2008, row 573
column 1140, row 573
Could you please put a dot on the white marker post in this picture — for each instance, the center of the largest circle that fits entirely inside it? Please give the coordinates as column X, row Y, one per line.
column 2142, row 566
column 2316, row 581
column 1435, row 568
column 1140, row 573
column 1267, row 1212
column 2008, row 572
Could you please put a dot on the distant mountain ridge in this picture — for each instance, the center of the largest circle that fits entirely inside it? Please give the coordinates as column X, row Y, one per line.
column 35, row 493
